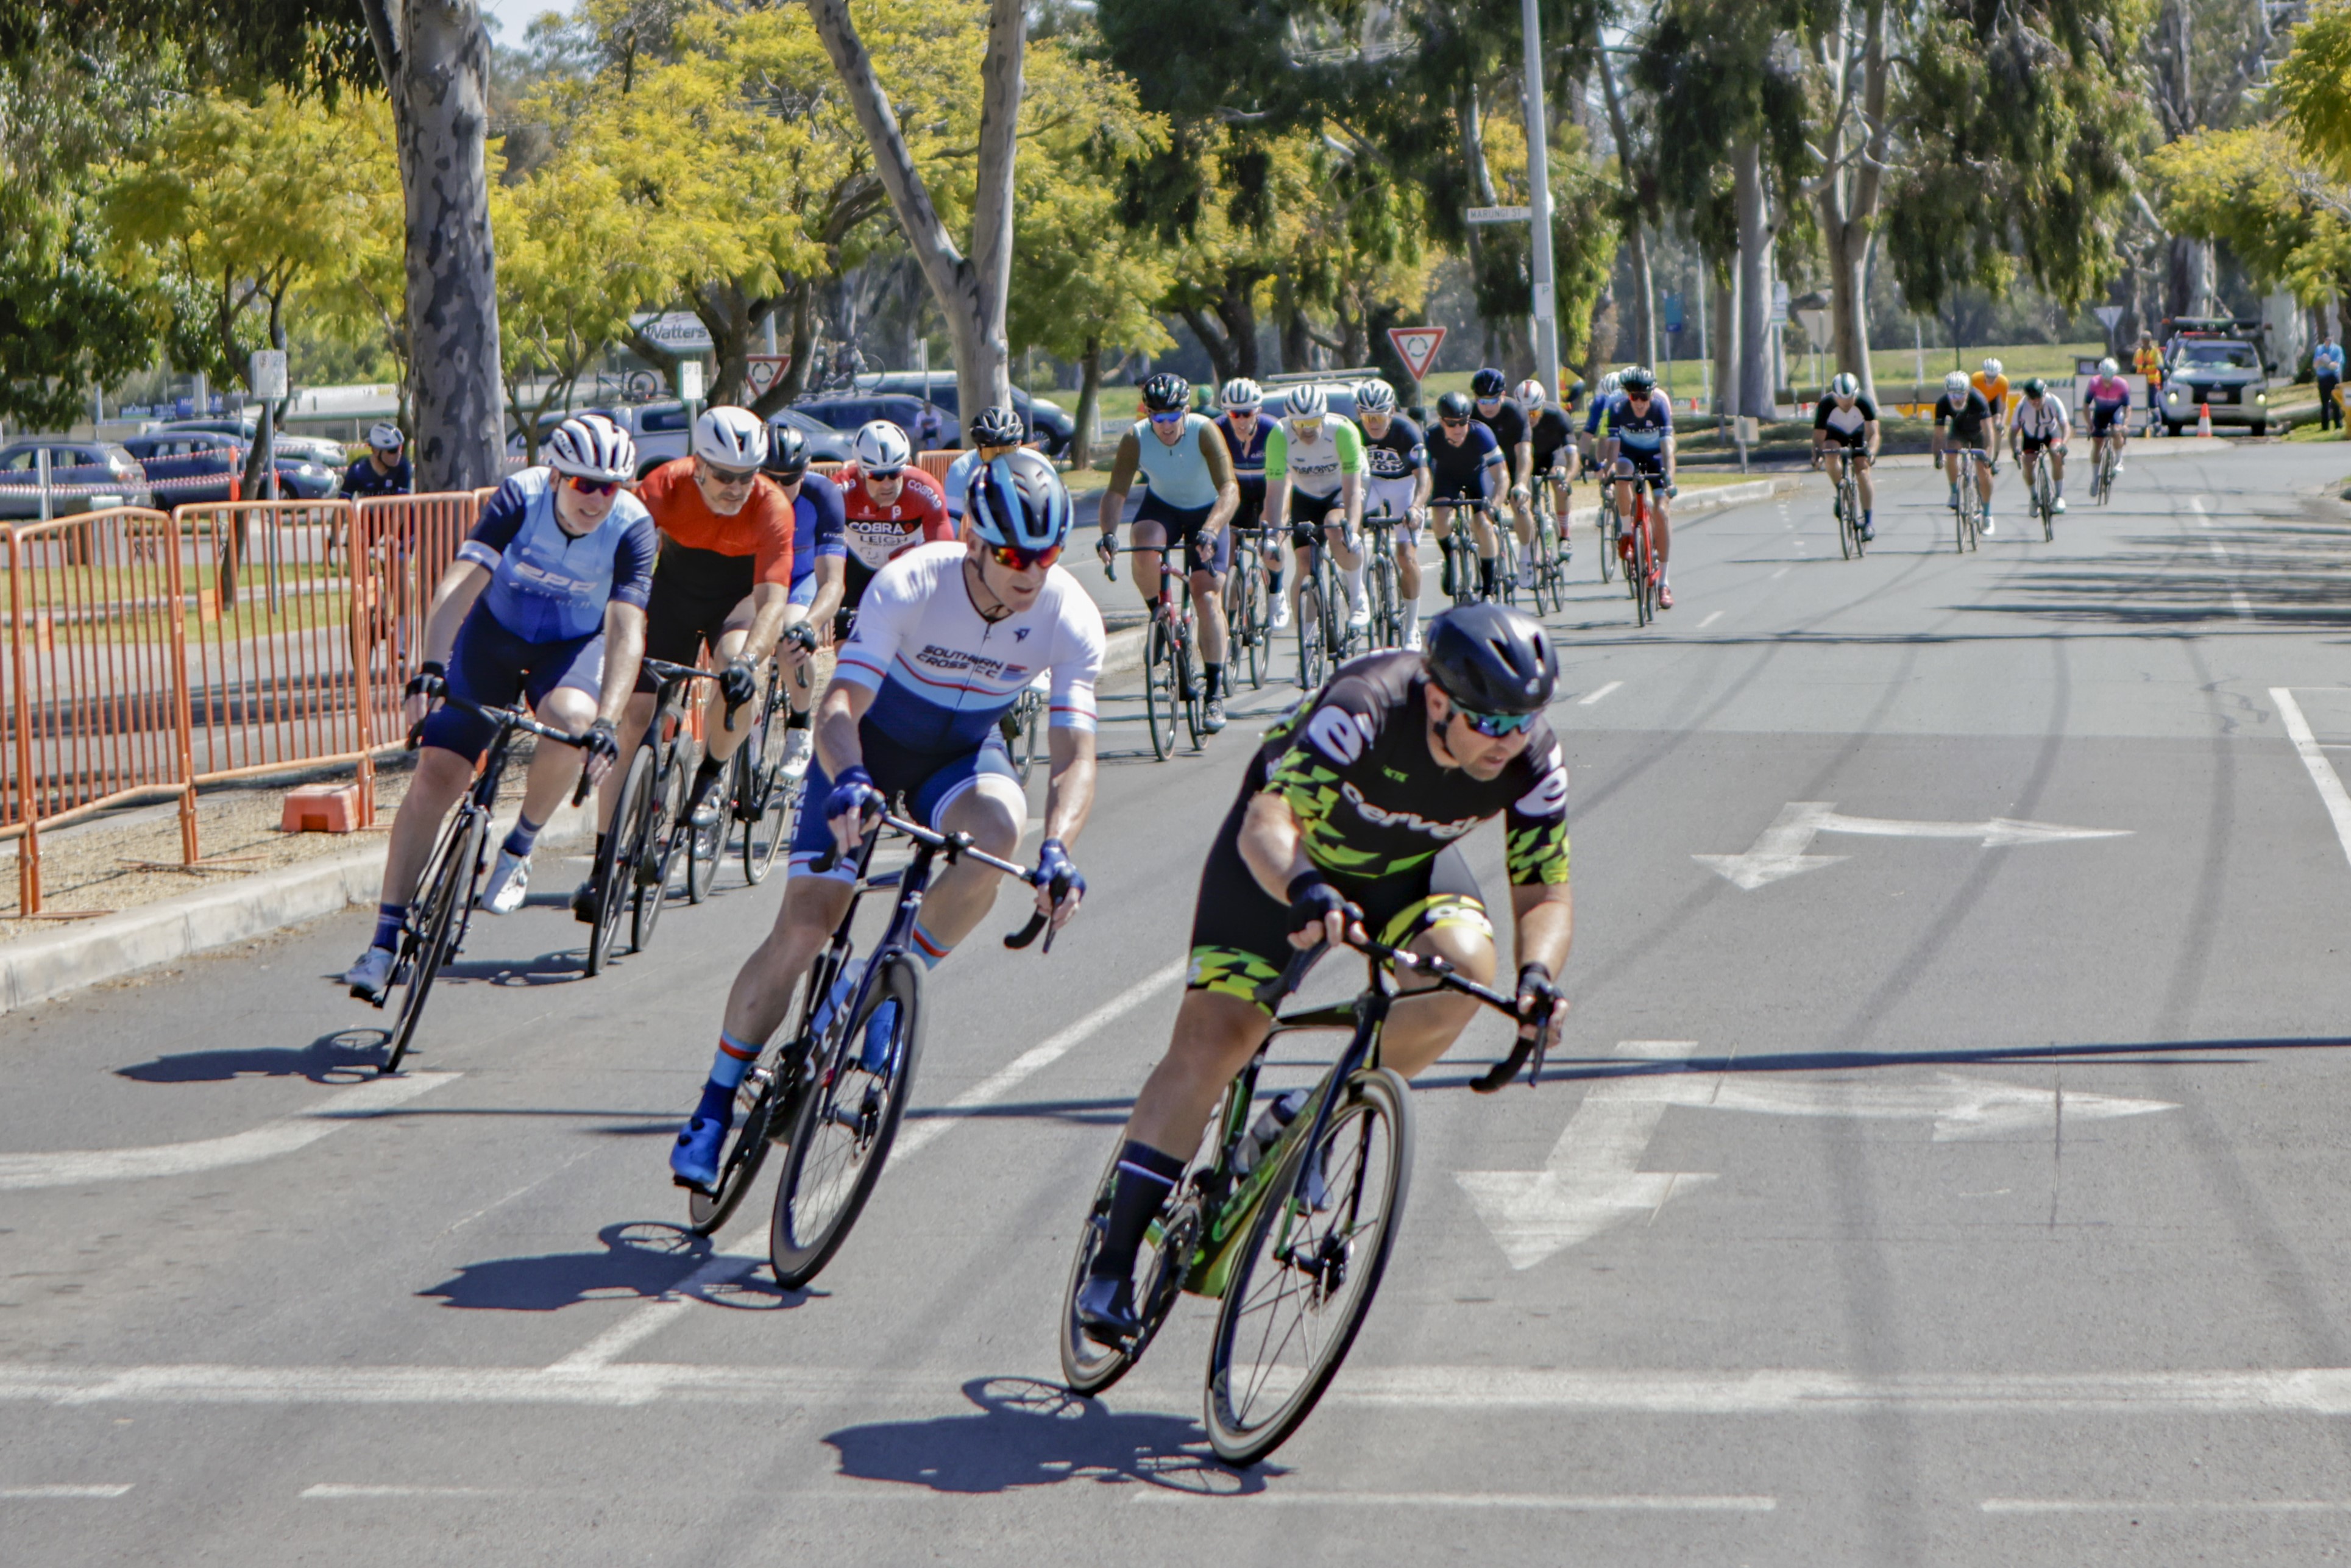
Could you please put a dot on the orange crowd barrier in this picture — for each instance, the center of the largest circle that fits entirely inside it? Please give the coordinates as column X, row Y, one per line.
column 401, row 546
column 937, row 464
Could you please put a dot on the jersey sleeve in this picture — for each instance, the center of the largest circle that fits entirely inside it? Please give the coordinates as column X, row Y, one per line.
column 938, row 528
column 501, row 518
column 1277, row 452
column 1492, row 454
column 1077, row 661
column 1534, row 827
column 892, row 603
column 1310, row 773
column 824, row 499
column 1349, row 440
column 1820, row 414
column 632, row 562
column 1868, row 409
column 1942, row 410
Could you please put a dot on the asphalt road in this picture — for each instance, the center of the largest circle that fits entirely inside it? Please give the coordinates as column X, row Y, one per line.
column 1925, row 1199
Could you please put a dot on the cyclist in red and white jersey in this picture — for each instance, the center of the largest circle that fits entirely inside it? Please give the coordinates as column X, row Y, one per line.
column 889, row 505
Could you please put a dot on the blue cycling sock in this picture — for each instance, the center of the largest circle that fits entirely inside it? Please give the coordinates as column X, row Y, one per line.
column 929, row 948
column 726, row 1070
column 525, row 835
column 389, row 919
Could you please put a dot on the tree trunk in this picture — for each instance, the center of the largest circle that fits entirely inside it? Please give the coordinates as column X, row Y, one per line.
column 1295, row 350
column 970, row 290
column 1848, row 203
column 1601, row 344
column 1238, row 312
column 1725, row 328
column 1849, row 306
column 1754, row 282
column 1088, row 419
column 1214, row 339
column 1645, row 301
column 436, row 61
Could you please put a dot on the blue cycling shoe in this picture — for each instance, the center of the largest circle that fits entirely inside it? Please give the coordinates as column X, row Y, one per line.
column 1106, row 1312
column 875, row 1058
column 694, row 1160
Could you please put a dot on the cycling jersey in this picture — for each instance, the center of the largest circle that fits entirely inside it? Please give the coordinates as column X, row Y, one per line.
column 1966, row 419
column 1399, row 454
column 761, row 530
column 817, row 523
column 1550, row 431
column 1849, row 426
column 876, row 534
column 1247, row 452
column 1995, row 393
column 546, row 585
column 1314, row 467
column 1640, row 433
column 958, row 480
column 1458, row 468
column 2041, row 421
column 2109, row 391
column 1185, row 475
column 1508, row 424
column 362, row 480
column 1596, row 421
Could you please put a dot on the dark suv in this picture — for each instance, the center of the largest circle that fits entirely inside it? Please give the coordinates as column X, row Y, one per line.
column 188, row 467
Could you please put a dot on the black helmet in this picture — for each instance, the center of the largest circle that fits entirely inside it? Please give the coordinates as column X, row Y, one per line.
column 788, row 453
column 2034, row 386
column 1491, row 658
column 1488, row 382
column 1166, row 392
column 1638, row 378
column 1452, row 405
column 997, row 427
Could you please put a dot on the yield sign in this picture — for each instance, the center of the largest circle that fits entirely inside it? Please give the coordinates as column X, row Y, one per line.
column 763, row 371
column 1417, row 347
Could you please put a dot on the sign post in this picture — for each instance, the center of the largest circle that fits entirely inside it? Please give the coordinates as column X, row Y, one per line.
column 689, row 389
column 268, row 377
column 1546, row 325
column 1417, row 347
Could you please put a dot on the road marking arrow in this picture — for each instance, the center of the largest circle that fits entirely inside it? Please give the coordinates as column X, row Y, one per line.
column 1779, row 852
column 1592, row 1179
column 71, row 1168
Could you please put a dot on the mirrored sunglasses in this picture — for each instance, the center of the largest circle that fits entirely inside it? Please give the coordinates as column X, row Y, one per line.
column 1012, row 558
column 1493, row 725
column 593, row 486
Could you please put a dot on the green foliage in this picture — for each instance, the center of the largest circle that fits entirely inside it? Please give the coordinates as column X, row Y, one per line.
column 67, row 324
column 2286, row 222
column 2313, row 89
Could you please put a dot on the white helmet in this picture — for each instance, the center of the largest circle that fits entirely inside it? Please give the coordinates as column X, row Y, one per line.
column 1956, row 383
column 1238, row 393
column 732, row 438
column 1991, row 369
column 1531, row 392
column 1305, row 402
column 386, row 438
column 591, row 446
column 1611, row 384
column 1376, row 397
column 2106, row 367
column 1844, row 384
column 882, row 448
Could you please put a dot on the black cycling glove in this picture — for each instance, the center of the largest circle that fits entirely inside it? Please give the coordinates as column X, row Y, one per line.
column 601, row 740
column 1534, row 980
column 430, row 680
column 738, row 684
column 1311, row 900
column 802, row 635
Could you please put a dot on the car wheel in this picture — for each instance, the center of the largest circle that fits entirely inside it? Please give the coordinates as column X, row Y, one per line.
column 2261, row 427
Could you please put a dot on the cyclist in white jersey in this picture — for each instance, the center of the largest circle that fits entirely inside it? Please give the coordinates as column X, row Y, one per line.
column 1315, row 480
column 2039, row 425
column 1395, row 452
column 946, row 636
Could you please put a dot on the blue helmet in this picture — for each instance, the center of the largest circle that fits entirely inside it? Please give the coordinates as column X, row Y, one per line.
column 1019, row 500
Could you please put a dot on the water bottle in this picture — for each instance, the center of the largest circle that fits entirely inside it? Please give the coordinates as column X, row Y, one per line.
column 1272, row 1122
column 844, row 986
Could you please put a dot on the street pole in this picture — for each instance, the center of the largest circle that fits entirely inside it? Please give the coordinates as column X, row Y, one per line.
column 1546, row 344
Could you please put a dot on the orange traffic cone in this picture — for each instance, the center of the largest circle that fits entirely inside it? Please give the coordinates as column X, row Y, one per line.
column 2204, row 419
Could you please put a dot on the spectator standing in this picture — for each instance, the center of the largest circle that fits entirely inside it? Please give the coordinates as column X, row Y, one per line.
column 2326, row 365
column 927, row 427
column 2148, row 362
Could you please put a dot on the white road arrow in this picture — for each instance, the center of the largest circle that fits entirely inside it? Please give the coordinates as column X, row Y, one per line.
column 1780, row 850
column 71, row 1168
column 1592, row 1179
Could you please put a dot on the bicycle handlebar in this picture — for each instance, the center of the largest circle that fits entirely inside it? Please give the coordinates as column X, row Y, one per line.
column 956, row 847
column 510, row 718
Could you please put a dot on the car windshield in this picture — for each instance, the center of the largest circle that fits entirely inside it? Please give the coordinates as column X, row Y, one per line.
column 2216, row 356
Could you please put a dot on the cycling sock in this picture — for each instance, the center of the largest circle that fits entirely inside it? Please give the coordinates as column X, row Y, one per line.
column 389, row 919
column 1411, row 618
column 929, row 948
column 520, row 842
column 1486, row 575
column 1146, row 1177
column 726, row 1070
column 1354, row 576
column 705, row 779
column 1214, row 674
column 796, row 718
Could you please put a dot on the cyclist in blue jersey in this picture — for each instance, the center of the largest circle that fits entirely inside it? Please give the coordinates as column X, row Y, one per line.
column 386, row 470
column 1638, row 438
column 820, row 576
column 546, row 602
column 994, row 432
column 1244, row 427
column 947, row 636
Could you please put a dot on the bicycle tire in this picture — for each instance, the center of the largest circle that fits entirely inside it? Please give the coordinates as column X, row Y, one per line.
column 661, row 843
column 1159, row 688
column 766, row 1113
column 767, row 794
column 1639, row 576
column 1088, row 1367
column 1310, row 635
column 2048, row 516
column 1252, row 618
column 1847, row 536
column 1032, row 732
column 1608, row 532
column 1338, row 625
column 799, row 1244
column 447, row 908
column 616, row 863
column 1189, row 687
column 1388, row 617
column 1505, row 565
column 702, row 848
column 1373, row 1198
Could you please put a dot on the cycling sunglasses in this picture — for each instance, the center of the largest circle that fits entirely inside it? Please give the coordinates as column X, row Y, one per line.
column 1012, row 558
column 730, row 478
column 1494, row 725
column 1172, row 417
column 593, row 486
column 1453, row 423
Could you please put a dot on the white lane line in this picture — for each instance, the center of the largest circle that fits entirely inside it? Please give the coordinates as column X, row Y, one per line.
column 62, row 1493
column 2331, row 792
column 328, row 1491
column 1621, row 1502
column 71, row 1168
column 1709, row 620
column 731, row 1261
column 2043, row 1505
column 1479, row 1391
column 1592, row 697
column 1777, row 575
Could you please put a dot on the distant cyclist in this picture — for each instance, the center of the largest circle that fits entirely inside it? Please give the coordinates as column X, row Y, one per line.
column 1508, row 420
column 1189, row 500
column 386, row 470
column 820, row 576
column 1551, row 444
column 1845, row 430
column 545, row 602
column 890, row 506
column 1351, row 818
column 1396, row 456
column 947, row 637
column 1969, row 417
column 2039, row 427
column 1465, row 464
column 1992, row 381
column 1246, row 430
column 2106, row 399
column 1638, row 441
column 994, row 432
column 1315, row 481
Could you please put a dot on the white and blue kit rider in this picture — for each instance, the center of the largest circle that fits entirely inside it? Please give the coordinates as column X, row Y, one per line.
column 946, row 636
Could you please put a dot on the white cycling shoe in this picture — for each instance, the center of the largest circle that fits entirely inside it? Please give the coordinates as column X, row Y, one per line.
column 509, row 884
column 1984, row 528
column 798, row 746
column 1280, row 621
column 369, row 977
column 1360, row 615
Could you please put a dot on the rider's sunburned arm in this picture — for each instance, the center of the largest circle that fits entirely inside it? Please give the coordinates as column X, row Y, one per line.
column 1870, row 438
column 624, row 647
column 831, row 586
column 1422, row 484
column 1070, row 800
column 837, row 714
column 768, row 603
column 1121, row 479
column 1546, row 924
column 1271, row 845
column 1667, row 448
column 453, row 597
column 1219, row 458
column 1523, row 463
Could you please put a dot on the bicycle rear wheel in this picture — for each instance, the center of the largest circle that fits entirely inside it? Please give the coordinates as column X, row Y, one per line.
column 1250, row 623
column 616, row 864
column 1312, row 1266
column 1607, row 541
column 659, row 857
column 702, row 848
column 1188, row 688
column 1308, row 618
column 1159, row 692
column 448, row 906
column 1031, row 714
column 764, row 1106
column 766, row 794
column 1848, row 537
column 1158, row 1280
column 1387, row 616
column 848, row 1118
column 1641, row 577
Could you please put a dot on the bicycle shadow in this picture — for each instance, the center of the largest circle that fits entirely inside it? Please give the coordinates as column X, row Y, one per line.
column 642, row 1260
column 1031, row 1433
column 560, row 967
column 344, row 1057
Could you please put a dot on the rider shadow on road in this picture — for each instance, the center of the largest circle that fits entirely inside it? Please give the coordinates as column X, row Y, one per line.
column 1029, row 1433
column 642, row 1260
column 346, row 1056
column 558, row 968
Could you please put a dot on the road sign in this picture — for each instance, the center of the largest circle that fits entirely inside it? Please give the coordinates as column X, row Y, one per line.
column 1816, row 326
column 765, row 371
column 1780, row 852
column 1417, row 347
column 2109, row 315
column 1500, row 214
column 689, row 379
column 1673, row 313
column 679, row 331
column 1779, row 302
column 269, row 374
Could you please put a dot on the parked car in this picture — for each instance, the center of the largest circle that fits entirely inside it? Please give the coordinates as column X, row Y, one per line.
column 1047, row 419
column 2215, row 367
column 662, row 433
column 188, row 467
column 308, row 468
column 84, row 477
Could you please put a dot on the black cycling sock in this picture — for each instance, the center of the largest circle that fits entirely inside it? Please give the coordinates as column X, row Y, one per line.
column 1214, row 676
column 796, row 718
column 1146, row 1177
column 705, row 779
column 1486, row 575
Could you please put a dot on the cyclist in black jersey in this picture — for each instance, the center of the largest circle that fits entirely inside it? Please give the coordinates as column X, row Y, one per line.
column 1551, row 443
column 1465, row 462
column 1507, row 418
column 1350, row 820
column 1969, row 417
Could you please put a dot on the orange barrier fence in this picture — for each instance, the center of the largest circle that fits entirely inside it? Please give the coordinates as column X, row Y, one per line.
column 937, row 464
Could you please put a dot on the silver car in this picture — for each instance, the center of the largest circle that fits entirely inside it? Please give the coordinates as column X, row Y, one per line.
column 84, row 477
column 2224, row 374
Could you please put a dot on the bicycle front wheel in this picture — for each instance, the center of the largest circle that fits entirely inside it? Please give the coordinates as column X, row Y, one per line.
column 1607, row 544
column 1306, row 1279
column 767, row 798
column 1032, row 731
column 1159, row 692
column 1308, row 618
column 1190, row 691
column 616, row 865
column 447, row 906
column 658, row 858
column 1250, row 623
column 849, row 1115
column 702, row 848
column 763, row 1106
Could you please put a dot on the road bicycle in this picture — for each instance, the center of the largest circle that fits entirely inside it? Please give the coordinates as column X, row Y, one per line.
column 2102, row 477
column 763, row 799
column 1968, row 518
column 1637, row 550
column 1382, row 587
column 834, row 1095
column 1289, row 1232
column 1325, row 640
column 1846, row 505
column 1459, row 546
column 442, row 907
column 634, row 865
column 1247, row 616
column 1612, row 528
column 1172, row 683
column 2042, row 494
column 1551, row 503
